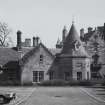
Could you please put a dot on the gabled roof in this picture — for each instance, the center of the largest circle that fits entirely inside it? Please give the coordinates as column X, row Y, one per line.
column 8, row 55
column 72, row 42
column 32, row 51
column 47, row 50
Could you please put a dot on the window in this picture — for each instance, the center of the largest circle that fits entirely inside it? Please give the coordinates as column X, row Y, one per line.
column 41, row 59
column 51, row 75
column 38, row 76
column 67, row 76
column 79, row 75
column 87, row 75
column 35, row 76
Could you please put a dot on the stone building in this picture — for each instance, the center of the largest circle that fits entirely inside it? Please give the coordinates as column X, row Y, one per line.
column 72, row 62
column 71, row 59
column 24, row 63
column 94, row 43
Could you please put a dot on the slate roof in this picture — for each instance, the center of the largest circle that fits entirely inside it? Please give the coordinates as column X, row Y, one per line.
column 11, row 54
column 69, row 44
column 32, row 51
column 7, row 55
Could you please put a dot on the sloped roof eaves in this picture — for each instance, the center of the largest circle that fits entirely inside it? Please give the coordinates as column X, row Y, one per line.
column 32, row 51
column 47, row 50
column 28, row 54
column 7, row 55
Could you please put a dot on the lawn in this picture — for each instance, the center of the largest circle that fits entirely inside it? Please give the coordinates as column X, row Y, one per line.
column 54, row 95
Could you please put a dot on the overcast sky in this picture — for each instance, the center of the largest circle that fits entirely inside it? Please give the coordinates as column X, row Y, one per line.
column 46, row 18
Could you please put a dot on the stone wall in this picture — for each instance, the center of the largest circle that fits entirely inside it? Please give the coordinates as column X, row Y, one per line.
column 34, row 64
column 81, row 65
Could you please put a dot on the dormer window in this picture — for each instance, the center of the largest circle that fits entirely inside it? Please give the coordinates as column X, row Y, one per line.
column 41, row 58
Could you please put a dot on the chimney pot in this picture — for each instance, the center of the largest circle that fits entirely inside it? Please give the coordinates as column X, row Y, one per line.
column 35, row 41
column 27, row 42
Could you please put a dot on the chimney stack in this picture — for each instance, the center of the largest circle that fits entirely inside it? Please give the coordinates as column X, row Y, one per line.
column 104, row 32
column 19, row 40
column 35, row 41
column 27, row 42
column 90, row 29
column 82, row 32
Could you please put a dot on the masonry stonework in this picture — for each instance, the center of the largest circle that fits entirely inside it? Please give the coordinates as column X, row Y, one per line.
column 81, row 65
column 34, row 64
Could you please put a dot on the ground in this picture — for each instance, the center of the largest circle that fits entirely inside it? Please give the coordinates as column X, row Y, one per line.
column 57, row 95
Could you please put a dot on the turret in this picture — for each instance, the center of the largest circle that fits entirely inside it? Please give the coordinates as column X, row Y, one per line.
column 82, row 33
column 64, row 34
column 59, row 44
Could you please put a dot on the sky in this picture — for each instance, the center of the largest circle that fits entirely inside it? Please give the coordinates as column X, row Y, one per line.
column 46, row 18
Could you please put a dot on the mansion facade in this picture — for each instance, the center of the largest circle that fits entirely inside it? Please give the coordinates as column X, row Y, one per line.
column 70, row 60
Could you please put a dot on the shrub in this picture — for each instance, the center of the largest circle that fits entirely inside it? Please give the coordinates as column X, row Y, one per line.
column 28, row 84
column 103, row 83
column 53, row 83
column 80, row 83
column 66, row 83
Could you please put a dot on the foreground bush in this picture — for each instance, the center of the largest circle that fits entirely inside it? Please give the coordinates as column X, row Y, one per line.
column 28, row 84
column 53, row 83
column 9, row 83
column 103, row 83
column 66, row 83
column 80, row 83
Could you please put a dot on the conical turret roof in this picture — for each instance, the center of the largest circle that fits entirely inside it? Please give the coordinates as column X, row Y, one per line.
column 73, row 45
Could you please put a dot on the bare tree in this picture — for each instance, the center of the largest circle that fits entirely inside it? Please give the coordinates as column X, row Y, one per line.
column 4, row 32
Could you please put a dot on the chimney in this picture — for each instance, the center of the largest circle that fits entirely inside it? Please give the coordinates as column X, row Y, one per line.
column 35, row 41
column 19, row 40
column 82, row 32
column 64, row 34
column 104, row 32
column 90, row 29
column 27, row 42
